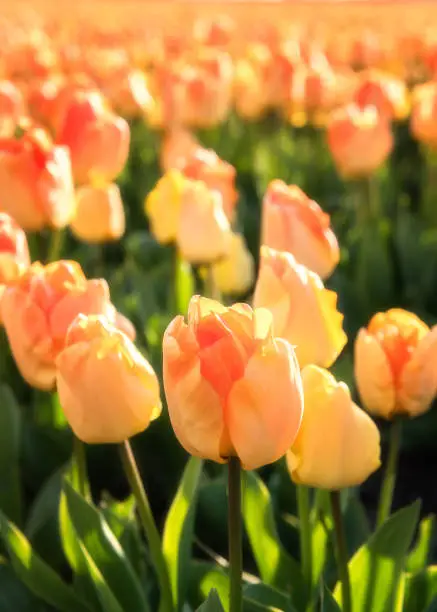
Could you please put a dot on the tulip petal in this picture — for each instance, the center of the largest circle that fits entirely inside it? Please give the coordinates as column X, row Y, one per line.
column 264, row 408
column 374, row 376
column 418, row 385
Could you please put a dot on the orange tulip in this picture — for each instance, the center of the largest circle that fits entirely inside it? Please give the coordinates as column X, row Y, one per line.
column 395, row 364
column 97, row 138
column 185, row 211
column 99, row 213
column 338, row 444
column 36, row 186
column 386, row 92
column 234, row 273
column 304, row 312
column 14, row 252
column 232, row 388
column 360, row 140
column 293, row 222
column 177, row 144
column 11, row 108
column 38, row 309
column 424, row 114
column 107, row 389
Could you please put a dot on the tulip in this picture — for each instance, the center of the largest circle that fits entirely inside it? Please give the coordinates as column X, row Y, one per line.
column 233, row 275
column 395, row 364
column 99, row 213
column 304, row 312
column 233, row 390
column 338, row 444
column 14, row 252
column 11, row 108
column 38, row 309
column 424, row 114
column 385, row 92
column 97, row 138
column 177, row 144
column 36, row 186
column 185, row 211
column 293, row 222
column 360, row 140
column 107, row 389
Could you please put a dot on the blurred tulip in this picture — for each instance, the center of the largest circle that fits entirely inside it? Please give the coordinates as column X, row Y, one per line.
column 36, row 186
column 292, row 222
column 177, row 144
column 424, row 114
column 385, row 92
column 360, row 140
column 99, row 213
column 97, row 138
column 304, row 312
column 38, row 309
column 185, row 211
column 234, row 274
column 107, row 389
column 232, row 388
column 14, row 252
column 12, row 108
column 338, row 444
column 395, row 364
column 128, row 92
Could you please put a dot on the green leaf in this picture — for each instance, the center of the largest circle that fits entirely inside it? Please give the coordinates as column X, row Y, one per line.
column 14, row 595
column 267, row 596
column 37, row 575
column 420, row 589
column 418, row 557
column 179, row 528
column 375, row 570
column 205, row 576
column 212, row 604
column 106, row 552
column 10, row 429
column 184, row 284
column 276, row 566
column 327, row 601
column 104, row 593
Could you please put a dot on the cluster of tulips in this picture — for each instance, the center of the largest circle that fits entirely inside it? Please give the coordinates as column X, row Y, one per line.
column 245, row 384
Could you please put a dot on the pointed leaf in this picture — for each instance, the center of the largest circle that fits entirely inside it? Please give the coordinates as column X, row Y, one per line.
column 212, row 604
column 178, row 530
column 104, row 593
column 205, row 576
column 327, row 601
column 420, row 589
column 10, row 482
column 418, row 557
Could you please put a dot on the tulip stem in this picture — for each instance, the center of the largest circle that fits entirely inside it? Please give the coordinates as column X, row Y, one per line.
column 211, row 289
column 235, row 534
column 388, row 484
column 55, row 245
column 79, row 460
column 342, row 555
column 303, row 507
column 133, row 475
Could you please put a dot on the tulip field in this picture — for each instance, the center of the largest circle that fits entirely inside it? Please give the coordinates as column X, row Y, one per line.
column 218, row 306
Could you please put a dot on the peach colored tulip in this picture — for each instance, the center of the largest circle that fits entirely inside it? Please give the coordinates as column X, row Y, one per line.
column 234, row 273
column 338, row 444
column 232, row 388
column 185, row 211
column 36, row 186
column 107, row 389
column 395, row 364
column 293, row 222
column 177, row 144
column 97, row 138
column 14, row 252
column 38, row 309
column 423, row 120
column 12, row 108
column 99, row 213
column 387, row 93
column 304, row 312
column 360, row 140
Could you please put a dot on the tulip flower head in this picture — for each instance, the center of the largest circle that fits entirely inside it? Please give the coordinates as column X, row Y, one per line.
column 424, row 114
column 14, row 251
column 38, row 309
column 99, row 213
column 338, row 444
column 293, row 222
column 304, row 312
column 107, row 389
column 395, row 364
column 232, row 388
column 234, row 273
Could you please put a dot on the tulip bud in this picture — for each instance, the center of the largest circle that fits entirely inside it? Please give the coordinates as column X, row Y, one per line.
column 395, row 364
column 107, row 389
column 97, row 138
column 232, row 388
column 233, row 275
column 185, row 211
column 360, row 140
column 36, row 186
column 99, row 213
column 338, row 444
column 38, row 309
column 304, row 312
column 293, row 222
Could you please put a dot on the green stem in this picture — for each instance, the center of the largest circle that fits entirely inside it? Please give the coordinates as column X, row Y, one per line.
column 133, row 475
column 388, row 484
column 79, row 459
column 55, row 246
column 342, row 556
column 211, row 289
column 235, row 534
column 303, row 506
